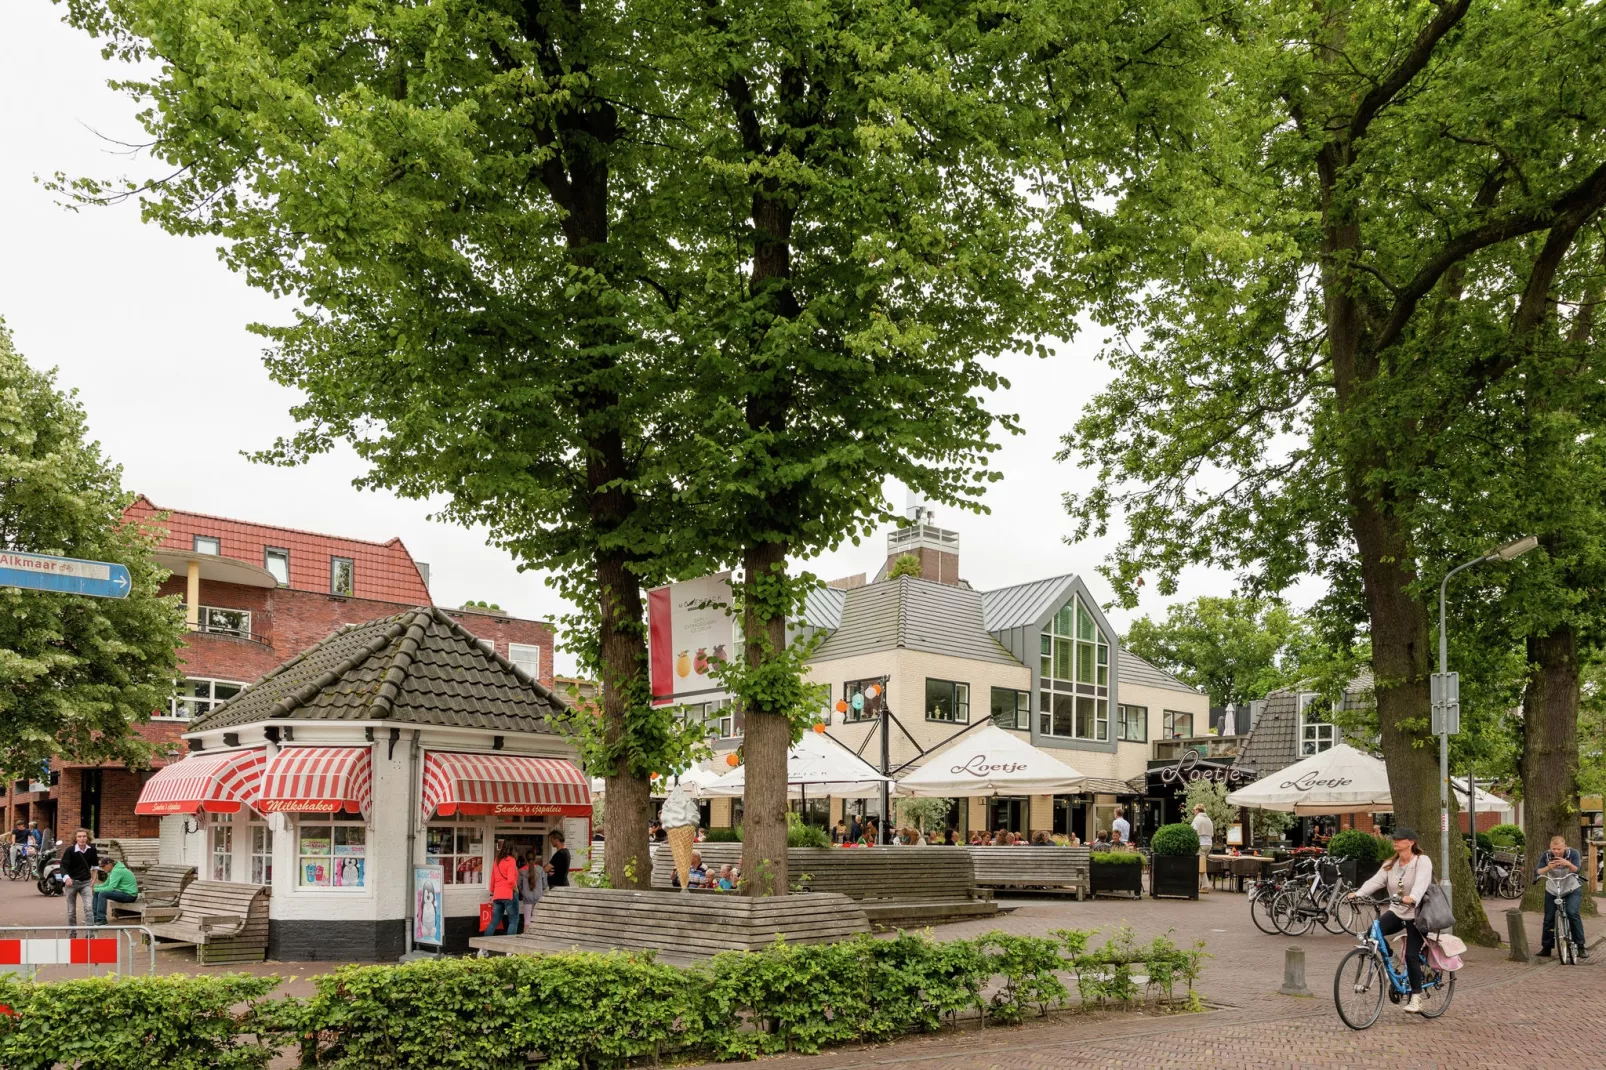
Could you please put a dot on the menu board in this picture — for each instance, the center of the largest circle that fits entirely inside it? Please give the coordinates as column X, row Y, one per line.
column 577, row 838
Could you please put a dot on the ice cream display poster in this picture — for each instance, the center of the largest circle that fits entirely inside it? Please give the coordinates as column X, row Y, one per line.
column 689, row 632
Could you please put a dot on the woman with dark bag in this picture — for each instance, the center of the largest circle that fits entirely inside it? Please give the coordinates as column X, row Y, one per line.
column 1407, row 877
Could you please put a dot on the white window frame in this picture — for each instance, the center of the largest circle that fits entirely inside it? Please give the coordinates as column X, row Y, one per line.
column 514, row 650
column 215, row 543
column 1314, row 736
column 220, row 827
column 331, row 821
column 456, row 824
column 335, row 560
column 178, row 708
column 1065, row 628
column 203, row 621
column 261, row 856
column 271, row 552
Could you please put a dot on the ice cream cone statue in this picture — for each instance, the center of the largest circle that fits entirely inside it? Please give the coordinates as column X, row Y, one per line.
column 679, row 817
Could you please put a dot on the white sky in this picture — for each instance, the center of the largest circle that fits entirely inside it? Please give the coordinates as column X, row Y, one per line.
column 150, row 329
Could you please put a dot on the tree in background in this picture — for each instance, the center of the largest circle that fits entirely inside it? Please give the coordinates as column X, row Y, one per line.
column 1300, row 269
column 1234, row 649
column 906, row 565
column 75, row 672
column 928, row 815
column 1264, row 825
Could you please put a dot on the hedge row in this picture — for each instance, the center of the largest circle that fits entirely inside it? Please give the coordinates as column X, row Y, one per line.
column 581, row 1011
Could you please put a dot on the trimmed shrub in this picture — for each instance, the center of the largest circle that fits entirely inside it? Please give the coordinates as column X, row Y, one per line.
column 1174, row 840
column 1507, row 836
column 1361, row 846
column 1485, row 843
column 1116, row 858
column 724, row 835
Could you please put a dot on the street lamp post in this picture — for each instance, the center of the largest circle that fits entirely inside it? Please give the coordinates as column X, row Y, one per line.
column 1447, row 702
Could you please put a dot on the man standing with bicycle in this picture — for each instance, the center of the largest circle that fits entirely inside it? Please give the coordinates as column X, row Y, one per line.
column 1557, row 864
column 1406, row 877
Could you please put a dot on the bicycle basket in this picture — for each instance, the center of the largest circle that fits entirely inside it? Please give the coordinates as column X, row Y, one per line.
column 1328, row 870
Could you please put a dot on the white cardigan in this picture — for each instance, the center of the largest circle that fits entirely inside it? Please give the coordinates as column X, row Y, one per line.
column 1417, row 876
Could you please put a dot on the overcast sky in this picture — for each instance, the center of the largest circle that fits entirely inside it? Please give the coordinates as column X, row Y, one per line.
column 150, row 329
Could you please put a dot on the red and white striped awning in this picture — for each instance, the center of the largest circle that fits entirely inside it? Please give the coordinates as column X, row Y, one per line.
column 317, row 780
column 219, row 783
column 477, row 784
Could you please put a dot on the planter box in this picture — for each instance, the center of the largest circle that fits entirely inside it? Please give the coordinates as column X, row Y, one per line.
column 1174, row 875
column 1350, row 869
column 1107, row 877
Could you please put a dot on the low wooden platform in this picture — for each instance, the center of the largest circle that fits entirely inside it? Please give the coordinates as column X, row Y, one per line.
column 1036, row 869
column 681, row 927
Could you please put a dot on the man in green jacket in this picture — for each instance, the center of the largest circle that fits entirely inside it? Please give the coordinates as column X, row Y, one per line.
column 117, row 884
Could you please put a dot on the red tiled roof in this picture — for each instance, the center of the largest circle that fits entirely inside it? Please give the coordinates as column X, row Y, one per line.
column 385, row 571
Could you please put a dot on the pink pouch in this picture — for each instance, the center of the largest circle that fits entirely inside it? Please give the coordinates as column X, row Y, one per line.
column 1440, row 960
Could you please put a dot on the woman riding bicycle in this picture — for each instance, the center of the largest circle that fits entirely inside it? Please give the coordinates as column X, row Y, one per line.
column 1406, row 876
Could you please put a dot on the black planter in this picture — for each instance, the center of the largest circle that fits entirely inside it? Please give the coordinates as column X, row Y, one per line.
column 1349, row 869
column 1176, row 876
column 1116, row 877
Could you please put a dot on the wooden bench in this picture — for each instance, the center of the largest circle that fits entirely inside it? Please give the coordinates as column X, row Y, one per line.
column 160, row 888
column 137, row 854
column 679, row 928
column 1042, row 869
column 893, row 884
column 225, row 922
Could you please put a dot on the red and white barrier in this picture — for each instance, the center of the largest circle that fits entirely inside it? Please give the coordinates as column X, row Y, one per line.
column 92, row 951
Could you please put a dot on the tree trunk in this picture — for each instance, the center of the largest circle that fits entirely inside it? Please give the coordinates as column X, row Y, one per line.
column 1549, row 759
column 767, row 738
column 624, row 658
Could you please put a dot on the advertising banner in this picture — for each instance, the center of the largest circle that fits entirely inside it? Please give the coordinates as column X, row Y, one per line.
column 428, row 928
column 689, row 630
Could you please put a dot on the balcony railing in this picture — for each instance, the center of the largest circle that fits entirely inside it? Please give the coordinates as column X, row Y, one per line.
column 239, row 635
column 1206, row 746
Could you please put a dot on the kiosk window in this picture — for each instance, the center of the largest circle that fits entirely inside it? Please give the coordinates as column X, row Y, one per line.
column 331, row 854
column 458, row 847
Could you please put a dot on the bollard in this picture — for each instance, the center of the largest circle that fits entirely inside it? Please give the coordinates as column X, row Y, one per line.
column 1294, row 972
column 1519, row 936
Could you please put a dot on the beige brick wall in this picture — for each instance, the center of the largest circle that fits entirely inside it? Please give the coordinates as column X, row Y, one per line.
column 1040, row 818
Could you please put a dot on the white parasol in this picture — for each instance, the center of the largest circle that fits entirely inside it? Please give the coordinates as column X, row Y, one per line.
column 991, row 761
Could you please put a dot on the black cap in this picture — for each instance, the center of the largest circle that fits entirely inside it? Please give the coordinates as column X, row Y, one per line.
column 1404, row 834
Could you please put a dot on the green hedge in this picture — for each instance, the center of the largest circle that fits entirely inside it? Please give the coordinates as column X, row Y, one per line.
column 1119, row 858
column 1507, row 836
column 1364, row 847
column 1174, row 841
column 579, row 1010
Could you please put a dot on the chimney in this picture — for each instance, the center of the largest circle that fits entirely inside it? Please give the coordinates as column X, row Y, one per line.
column 937, row 549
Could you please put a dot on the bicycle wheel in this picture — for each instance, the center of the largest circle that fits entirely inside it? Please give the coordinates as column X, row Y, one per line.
column 1564, row 940
column 1260, row 912
column 1436, row 999
column 1344, row 915
column 1289, row 914
column 1511, row 887
column 1359, row 987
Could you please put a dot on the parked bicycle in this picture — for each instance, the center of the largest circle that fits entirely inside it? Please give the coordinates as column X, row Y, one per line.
column 1500, row 875
column 1321, row 895
column 1262, row 893
column 1373, row 971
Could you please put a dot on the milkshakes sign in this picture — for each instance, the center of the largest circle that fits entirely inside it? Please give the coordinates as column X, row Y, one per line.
column 689, row 632
column 65, row 575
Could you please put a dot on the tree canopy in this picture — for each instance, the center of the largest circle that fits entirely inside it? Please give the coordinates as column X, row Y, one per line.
column 76, row 673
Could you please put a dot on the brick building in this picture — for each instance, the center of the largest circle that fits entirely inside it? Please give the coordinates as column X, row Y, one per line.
column 255, row 595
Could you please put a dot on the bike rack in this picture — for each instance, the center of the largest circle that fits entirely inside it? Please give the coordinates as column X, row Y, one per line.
column 25, row 948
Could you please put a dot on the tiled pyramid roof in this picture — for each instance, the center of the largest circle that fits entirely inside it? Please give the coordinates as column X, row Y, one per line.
column 418, row 667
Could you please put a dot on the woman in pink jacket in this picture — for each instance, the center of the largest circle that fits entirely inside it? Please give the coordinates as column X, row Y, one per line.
column 1405, row 877
column 504, row 891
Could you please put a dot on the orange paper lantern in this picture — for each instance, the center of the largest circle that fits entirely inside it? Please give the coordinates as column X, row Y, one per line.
column 819, row 726
column 841, row 706
column 731, row 760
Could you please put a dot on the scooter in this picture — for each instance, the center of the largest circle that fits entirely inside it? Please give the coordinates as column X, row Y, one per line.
column 49, row 878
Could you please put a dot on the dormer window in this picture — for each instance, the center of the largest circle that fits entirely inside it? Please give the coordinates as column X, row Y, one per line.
column 208, row 545
column 1316, row 730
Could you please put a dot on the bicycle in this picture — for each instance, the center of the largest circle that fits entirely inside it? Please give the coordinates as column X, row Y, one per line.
column 1371, row 971
column 1262, row 892
column 1321, row 896
column 1500, row 875
column 1558, row 889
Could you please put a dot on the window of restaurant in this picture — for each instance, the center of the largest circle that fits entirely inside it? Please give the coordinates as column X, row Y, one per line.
column 331, row 854
column 1132, row 724
column 457, row 845
column 1011, row 708
column 1074, row 676
column 1316, row 732
column 1176, row 724
column 871, row 693
column 1007, row 812
column 220, row 846
column 947, row 700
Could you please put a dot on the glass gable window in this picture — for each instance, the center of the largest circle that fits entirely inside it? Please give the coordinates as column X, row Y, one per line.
column 1011, row 708
column 1074, row 676
column 947, row 700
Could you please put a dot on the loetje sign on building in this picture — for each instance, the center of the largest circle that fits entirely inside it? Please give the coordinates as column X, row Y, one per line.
column 66, row 575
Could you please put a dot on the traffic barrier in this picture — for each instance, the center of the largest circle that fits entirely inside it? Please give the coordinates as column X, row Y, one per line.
column 25, row 948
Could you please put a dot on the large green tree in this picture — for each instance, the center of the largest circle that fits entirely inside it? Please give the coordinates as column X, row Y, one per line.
column 1234, row 649
column 1289, row 382
column 76, row 673
column 478, row 204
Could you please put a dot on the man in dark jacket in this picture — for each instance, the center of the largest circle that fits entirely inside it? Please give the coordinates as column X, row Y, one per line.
column 79, row 864
column 557, row 867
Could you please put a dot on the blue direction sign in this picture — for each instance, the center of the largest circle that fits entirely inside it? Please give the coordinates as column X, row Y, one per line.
column 98, row 579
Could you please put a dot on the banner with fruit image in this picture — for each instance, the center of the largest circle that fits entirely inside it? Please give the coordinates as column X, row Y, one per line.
column 689, row 630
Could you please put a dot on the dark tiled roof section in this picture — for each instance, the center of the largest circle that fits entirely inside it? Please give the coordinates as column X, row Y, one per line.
column 382, row 571
column 418, row 667
column 1271, row 744
column 1095, row 785
column 1134, row 670
column 1025, row 604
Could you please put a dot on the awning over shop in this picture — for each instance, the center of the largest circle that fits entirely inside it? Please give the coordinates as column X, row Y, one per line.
column 219, row 783
column 478, row 784
column 317, row 780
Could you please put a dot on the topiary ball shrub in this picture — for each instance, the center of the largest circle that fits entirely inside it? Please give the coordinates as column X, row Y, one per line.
column 1507, row 836
column 1361, row 846
column 1172, row 841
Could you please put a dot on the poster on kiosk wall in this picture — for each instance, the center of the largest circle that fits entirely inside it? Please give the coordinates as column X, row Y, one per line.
column 427, row 925
column 689, row 630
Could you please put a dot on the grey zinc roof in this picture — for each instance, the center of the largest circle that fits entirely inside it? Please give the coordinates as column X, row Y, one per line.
column 417, row 667
column 822, row 608
column 1134, row 670
column 913, row 614
column 1023, row 605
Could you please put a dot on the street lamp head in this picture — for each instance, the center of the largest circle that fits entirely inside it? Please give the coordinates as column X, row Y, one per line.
column 1515, row 548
